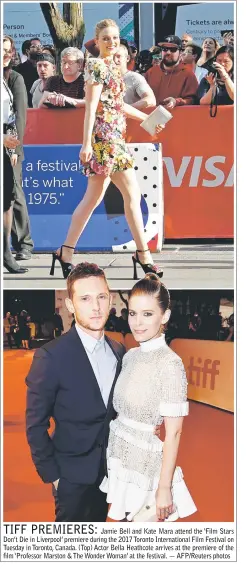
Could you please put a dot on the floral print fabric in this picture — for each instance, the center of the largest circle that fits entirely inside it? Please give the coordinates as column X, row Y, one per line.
column 110, row 153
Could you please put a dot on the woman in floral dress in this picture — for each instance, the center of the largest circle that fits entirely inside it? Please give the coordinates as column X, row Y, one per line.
column 104, row 152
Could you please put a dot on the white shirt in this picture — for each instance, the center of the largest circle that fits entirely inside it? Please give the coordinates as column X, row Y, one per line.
column 136, row 87
column 37, row 92
column 200, row 73
column 102, row 359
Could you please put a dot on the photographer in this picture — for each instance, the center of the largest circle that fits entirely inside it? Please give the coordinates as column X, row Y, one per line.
column 218, row 84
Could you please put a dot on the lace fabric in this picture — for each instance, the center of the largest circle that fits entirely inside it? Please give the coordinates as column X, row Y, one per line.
column 148, row 381
column 152, row 384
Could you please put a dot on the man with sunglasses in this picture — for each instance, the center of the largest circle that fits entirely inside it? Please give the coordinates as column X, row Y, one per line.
column 172, row 83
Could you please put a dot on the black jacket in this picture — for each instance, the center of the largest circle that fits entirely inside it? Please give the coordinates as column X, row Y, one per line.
column 30, row 75
column 62, row 385
column 17, row 86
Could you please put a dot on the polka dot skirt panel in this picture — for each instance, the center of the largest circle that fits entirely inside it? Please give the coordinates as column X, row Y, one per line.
column 149, row 173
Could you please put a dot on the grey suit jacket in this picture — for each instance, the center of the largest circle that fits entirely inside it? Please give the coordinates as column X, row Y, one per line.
column 17, row 86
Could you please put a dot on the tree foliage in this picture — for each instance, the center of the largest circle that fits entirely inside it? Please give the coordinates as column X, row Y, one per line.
column 67, row 29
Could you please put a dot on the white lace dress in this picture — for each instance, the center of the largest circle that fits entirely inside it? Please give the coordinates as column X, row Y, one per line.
column 152, row 385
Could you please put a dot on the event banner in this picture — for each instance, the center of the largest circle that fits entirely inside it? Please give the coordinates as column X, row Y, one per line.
column 54, row 185
column 197, row 152
column 209, row 367
column 206, row 19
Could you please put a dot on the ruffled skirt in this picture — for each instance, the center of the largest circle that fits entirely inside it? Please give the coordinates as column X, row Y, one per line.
column 129, row 491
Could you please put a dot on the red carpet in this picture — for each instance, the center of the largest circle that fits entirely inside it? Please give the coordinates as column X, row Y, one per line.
column 206, row 456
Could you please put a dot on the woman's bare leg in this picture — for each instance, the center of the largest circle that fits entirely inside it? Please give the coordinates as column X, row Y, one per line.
column 97, row 185
column 126, row 182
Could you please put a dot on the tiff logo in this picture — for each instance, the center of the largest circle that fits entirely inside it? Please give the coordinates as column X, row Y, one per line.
column 203, row 373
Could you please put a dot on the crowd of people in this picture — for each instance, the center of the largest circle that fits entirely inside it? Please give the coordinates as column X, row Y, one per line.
column 20, row 329
column 204, row 324
column 177, row 72
column 178, row 58
column 207, row 324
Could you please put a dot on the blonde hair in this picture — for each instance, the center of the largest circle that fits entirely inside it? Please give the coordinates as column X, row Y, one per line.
column 105, row 24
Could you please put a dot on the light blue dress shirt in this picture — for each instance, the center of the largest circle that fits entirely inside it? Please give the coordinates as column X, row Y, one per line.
column 102, row 359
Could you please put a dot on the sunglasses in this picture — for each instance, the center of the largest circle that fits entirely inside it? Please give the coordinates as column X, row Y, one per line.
column 168, row 49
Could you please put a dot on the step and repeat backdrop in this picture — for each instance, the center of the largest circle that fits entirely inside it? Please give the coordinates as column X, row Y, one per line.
column 54, row 185
column 186, row 179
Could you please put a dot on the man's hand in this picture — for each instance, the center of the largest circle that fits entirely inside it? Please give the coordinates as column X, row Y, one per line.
column 52, row 98
column 55, row 483
column 14, row 159
column 10, row 141
column 170, row 102
column 59, row 99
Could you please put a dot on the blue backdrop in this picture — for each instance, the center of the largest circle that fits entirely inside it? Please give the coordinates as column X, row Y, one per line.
column 53, row 187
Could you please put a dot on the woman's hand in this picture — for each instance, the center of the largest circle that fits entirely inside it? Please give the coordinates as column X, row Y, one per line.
column 228, row 39
column 222, row 72
column 85, row 153
column 159, row 128
column 10, row 141
column 157, row 431
column 210, row 78
column 164, row 503
column 14, row 159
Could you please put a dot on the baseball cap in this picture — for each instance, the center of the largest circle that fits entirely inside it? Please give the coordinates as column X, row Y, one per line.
column 132, row 44
column 43, row 57
column 171, row 41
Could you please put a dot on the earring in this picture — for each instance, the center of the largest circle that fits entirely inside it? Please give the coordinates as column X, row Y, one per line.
column 167, row 315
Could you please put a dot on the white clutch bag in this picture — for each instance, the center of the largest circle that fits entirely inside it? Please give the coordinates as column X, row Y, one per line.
column 183, row 503
column 148, row 513
column 159, row 115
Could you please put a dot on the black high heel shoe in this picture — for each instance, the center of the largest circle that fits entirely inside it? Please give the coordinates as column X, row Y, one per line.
column 66, row 267
column 147, row 268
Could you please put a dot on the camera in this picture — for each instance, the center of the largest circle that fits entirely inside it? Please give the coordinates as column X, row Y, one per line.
column 210, row 67
column 213, row 70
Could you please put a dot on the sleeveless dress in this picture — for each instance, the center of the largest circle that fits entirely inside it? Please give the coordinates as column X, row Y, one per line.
column 110, row 152
column 152, row 385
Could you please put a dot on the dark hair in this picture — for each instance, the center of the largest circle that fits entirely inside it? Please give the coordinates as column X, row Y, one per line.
column 196, row 50
column 25, row 46
column 143, row 61
column 83, row 271
column 152, row 285
column 32, row 39
column 51, row 49
column 227, row 50
column 124, row 42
